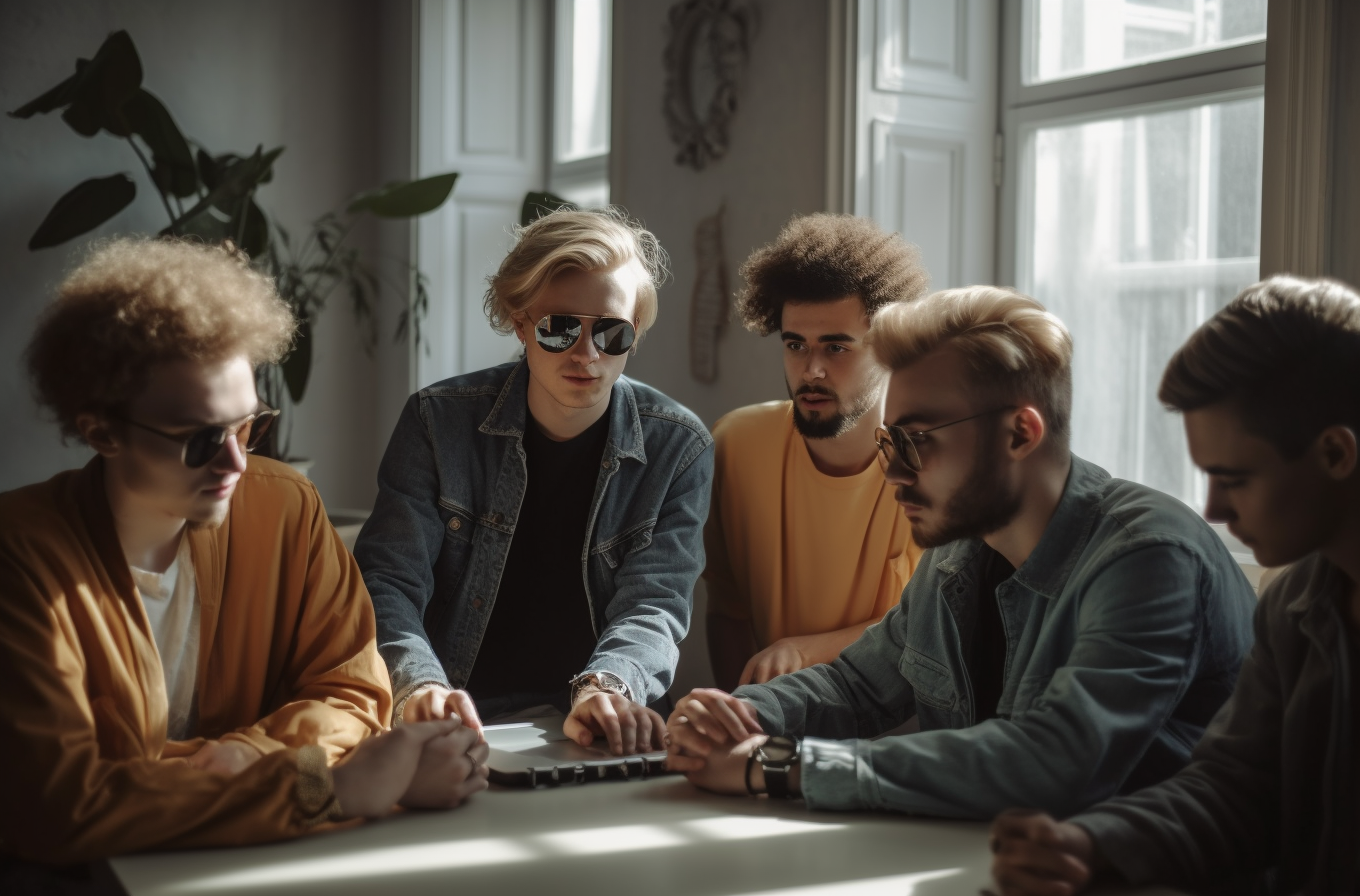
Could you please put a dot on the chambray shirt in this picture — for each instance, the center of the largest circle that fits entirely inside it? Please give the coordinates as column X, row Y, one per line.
column 1125, row 629
column 449, row 493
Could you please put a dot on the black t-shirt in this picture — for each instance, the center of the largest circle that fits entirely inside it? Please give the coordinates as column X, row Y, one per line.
column 987, row 653
column 540, row 632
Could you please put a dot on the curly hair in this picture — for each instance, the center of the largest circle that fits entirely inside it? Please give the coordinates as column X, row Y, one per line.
column 136, row 302
column 822, row 258
column 574, row 240
column 1285, row 354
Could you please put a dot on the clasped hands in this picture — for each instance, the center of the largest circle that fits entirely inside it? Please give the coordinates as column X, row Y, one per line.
column 711, row 736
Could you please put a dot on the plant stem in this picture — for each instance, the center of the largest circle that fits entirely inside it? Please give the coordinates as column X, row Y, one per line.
column 152, row 175
column 331, row 257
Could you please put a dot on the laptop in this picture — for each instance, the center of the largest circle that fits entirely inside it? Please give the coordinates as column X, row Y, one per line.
column 535, row 753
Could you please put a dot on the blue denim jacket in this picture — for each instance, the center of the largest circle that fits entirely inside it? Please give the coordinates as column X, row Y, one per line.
column 449, row 493
column 1125, row 629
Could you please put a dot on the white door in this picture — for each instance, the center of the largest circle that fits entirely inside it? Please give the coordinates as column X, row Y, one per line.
column 924, row 88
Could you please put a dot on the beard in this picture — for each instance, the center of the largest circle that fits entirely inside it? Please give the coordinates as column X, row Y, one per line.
column 981, row 506
column 832, row 425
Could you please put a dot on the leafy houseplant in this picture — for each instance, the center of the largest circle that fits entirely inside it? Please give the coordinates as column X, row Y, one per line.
column 212, row 197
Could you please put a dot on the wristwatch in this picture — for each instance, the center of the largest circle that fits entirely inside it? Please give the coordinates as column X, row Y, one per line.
column 777, row 756
column 604, row 681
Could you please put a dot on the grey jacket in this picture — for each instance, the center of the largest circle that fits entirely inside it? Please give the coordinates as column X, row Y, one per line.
column 1274, row 782
column 1125, row 629
column 449, row 493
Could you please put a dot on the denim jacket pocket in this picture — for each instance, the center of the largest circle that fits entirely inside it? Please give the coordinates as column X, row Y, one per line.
column 620, row 546
column 930, row 681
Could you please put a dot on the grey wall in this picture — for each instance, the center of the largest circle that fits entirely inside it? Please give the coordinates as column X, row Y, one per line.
column 776, row 167
column 328, row 79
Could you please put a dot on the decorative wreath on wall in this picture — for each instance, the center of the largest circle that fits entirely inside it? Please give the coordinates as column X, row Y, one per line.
column 705, row 55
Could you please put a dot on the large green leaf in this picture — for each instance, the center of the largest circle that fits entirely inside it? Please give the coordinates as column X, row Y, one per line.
column 54, row 99
column 174, row 171
column 405, row 199
column 83, row 209
column 104, row 86
column 536, row 205
column 242, row 178
column 297, row 367
column 252, row 235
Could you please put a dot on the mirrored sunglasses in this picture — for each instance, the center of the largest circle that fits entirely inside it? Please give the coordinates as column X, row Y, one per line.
column 558, row 332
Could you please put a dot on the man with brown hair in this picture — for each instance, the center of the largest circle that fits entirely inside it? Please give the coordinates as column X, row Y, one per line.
column 187, row 649
column 1270, row 391
column 805, row 546
column 1066, row 636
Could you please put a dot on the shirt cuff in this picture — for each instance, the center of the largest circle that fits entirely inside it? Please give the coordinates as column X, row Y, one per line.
column 835, row 776
column 399, row 705
column 1117, row 843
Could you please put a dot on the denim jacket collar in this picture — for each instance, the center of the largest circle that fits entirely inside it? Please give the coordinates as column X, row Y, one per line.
column 1049, row 565
column 509, row 415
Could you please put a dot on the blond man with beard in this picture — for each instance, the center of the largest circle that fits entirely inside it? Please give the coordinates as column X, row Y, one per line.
column 1067, row 636
column 187, row 648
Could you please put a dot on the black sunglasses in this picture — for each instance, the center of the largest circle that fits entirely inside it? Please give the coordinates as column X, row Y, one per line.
column 202, row 445
column 894, row 441
column 558, row 332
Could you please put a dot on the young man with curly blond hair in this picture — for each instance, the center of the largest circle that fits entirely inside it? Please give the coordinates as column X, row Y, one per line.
column 538, row 528
column 1066, row 636
column 1270, row 392
column 187, row 649
column 806, row 547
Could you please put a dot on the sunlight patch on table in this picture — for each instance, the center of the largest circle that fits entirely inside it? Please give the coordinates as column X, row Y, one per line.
column 383, row 862
column 897, row 885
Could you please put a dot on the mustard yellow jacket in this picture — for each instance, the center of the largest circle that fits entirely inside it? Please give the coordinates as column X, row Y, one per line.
column 287, row 662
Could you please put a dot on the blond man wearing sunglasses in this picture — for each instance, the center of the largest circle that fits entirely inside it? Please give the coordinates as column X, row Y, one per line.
column 539, row 525
column 187, row 649
column 1067, row 636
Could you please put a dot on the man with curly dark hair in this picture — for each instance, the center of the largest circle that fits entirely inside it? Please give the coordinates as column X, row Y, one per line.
column 805, row 545
column 187, row 648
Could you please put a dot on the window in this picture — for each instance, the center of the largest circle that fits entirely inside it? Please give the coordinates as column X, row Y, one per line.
column 579, row 169
column 1132, row 200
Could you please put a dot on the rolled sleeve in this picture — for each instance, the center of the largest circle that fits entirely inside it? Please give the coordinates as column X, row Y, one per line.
column 838, row 776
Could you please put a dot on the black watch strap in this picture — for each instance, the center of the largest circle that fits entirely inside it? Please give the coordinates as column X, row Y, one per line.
column 777, row 757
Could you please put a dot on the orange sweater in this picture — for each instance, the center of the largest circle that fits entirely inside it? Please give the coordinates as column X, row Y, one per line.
column 287, row 662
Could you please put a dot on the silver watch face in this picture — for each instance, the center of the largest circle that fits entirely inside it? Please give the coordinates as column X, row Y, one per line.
column 778, row 750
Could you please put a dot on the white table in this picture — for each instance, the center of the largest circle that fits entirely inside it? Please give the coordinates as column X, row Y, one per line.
column 642, row 838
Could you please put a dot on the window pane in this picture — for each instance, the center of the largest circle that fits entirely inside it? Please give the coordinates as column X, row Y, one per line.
column 1141, row 228
column 1068, row 38
column 582, row 87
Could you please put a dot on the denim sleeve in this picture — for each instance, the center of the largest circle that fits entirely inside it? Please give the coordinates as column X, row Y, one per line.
column 650, row 611
column 397, row 549
column 859, row 694
column 1134, row 655
column 1223, row 810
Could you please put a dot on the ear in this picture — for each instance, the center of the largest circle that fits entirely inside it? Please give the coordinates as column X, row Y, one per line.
column 98, row 433
column 1336, row 452
column 522, row 325
column 1027, row 431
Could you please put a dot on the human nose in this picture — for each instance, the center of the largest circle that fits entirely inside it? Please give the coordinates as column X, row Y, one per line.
column 584, row 352
column 231, row 458
column 1216, row 508
column 813, row 367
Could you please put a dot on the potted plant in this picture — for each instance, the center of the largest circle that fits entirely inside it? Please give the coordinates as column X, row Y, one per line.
column 213, row 196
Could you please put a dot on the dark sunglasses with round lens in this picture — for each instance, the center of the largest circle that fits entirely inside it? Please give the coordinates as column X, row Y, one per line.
column 203, row 444
column 558, row 332
column 896, row 442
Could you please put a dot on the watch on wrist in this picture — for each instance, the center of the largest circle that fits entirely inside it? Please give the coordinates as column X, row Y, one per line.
column 777, row 757
column 601, row 681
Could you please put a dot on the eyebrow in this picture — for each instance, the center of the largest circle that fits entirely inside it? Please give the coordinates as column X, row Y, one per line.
column 789, row 336
column 914, row 420
column 1226, row 471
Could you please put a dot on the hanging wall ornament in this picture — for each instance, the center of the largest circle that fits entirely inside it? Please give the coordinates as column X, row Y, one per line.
column 708, row 304
column 707, row 50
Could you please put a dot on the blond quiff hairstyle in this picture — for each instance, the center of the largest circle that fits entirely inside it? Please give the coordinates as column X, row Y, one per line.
column 1016, row 350
column 573, row 240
